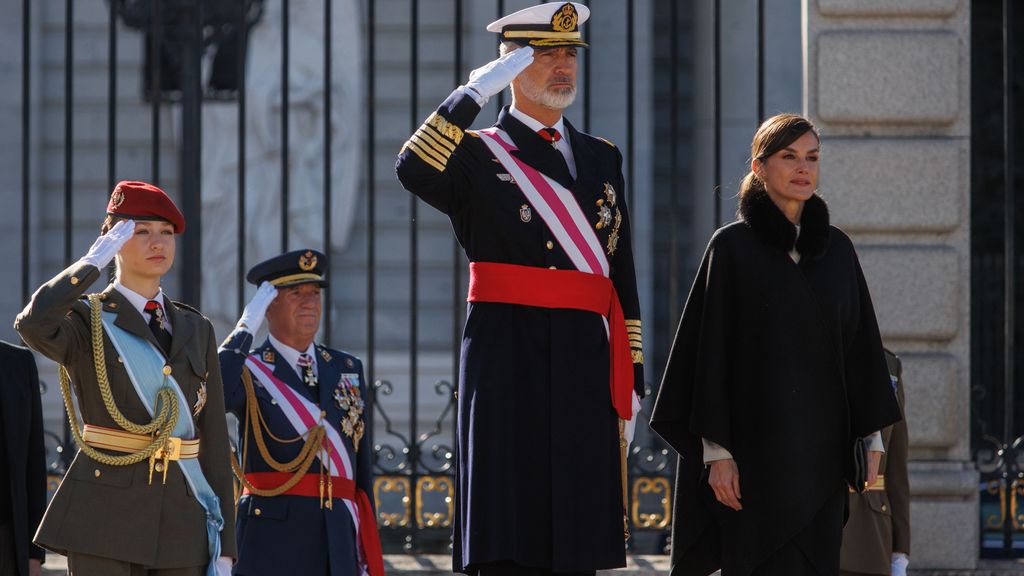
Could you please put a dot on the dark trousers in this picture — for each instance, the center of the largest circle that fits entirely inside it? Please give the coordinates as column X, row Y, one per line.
column 8, row 554
column 86, row 565
column 510, row 569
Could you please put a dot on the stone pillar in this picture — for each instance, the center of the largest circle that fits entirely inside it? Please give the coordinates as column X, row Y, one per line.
column 887, row 82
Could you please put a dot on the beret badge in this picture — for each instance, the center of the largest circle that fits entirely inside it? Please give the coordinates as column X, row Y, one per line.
column 117, row 198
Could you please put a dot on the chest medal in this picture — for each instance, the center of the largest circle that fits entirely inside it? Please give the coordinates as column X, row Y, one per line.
column 350, row 401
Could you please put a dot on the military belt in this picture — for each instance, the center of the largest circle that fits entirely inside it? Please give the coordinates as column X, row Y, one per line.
column 878, row 486
column 121, row 441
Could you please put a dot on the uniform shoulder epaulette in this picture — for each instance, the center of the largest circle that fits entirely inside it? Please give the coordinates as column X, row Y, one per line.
column 606, row 141
column 183, row 306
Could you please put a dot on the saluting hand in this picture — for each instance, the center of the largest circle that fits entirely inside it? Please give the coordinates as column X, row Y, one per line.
column 256, row 309
column 107, row 246
column 725, row 481
column 493, row 77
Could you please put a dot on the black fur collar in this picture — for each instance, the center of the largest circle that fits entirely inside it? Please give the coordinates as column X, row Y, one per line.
column 761, row 214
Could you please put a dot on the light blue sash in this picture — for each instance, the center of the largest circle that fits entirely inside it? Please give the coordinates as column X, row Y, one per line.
column 144, row 364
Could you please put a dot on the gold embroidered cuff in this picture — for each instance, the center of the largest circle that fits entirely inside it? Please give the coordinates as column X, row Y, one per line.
column 638, row 356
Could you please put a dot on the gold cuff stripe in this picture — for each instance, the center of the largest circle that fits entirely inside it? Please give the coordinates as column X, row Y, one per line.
column 633, row 329
column 638, row 356
column 445, row 128
column 542, row 34
column 441, row 154
column 636, row 342
column 632, row 323
column 424, row 156
column 441, row 138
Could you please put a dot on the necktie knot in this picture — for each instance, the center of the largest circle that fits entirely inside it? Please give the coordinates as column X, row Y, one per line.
column 156, row 324
column 550, row 135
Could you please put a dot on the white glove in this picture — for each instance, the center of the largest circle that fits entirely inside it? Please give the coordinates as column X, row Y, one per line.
column 106, row 246
column 899, row 564
column 223, row 566
column 493, row 77
column 256, row 310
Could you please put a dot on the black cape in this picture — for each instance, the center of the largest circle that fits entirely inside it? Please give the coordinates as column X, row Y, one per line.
column 781, row 364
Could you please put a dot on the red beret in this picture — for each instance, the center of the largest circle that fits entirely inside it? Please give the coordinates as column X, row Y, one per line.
column 142, row 201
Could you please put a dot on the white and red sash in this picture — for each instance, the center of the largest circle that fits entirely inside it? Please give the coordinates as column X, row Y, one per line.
column 555, row 203
column 304, row 415
column 563, row 216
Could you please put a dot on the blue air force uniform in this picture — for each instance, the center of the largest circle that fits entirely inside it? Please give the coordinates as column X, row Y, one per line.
column 294, row 534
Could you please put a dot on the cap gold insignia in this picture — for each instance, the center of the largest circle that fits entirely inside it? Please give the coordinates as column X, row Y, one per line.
column 268, row 356
column 117, row 198
column 565, row 19
column 307, row 261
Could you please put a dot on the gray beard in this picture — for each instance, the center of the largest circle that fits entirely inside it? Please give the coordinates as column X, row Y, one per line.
column 554, row 99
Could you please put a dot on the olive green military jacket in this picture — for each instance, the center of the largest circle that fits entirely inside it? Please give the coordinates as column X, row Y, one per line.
column 879, row 522
column 114, row 511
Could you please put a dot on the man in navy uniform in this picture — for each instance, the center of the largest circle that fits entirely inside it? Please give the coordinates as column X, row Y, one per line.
column 305, row 456
column 552, row 361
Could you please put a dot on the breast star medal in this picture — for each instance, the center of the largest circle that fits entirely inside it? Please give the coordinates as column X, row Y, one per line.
column 200, row 400
column 613, row 238
column 350, row 401
column 604, row 215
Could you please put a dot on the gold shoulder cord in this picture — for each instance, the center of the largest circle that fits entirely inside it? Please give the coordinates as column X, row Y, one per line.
column 298, row 466
column 160, row 426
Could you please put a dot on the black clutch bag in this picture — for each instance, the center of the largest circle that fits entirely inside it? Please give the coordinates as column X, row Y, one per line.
column 860, row 465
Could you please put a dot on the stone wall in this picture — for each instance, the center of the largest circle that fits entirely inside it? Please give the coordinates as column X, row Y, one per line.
column 887, row 82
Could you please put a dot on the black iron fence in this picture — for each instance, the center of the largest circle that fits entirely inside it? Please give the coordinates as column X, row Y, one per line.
column 997, row 413
column 197, row 51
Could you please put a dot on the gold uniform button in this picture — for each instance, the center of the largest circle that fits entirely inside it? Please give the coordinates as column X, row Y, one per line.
column 884, row 507
column 97, row 473
column 159, row 467
column 167, row 370
column 120, row 360
column 112, row 305
column 550, row 245
column 74, row 280
column 257, row 511
column 552, row 268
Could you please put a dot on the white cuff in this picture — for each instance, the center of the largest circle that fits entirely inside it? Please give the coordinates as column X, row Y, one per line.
column 875, row 442
column 87, row 260
column 713, row 452
column 476, row 96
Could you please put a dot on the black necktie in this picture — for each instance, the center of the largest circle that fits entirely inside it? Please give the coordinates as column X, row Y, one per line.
column 156, row 325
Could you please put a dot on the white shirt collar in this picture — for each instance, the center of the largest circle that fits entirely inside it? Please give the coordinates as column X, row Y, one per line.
column 534, row 124
column 138, row 301
column 291, row 354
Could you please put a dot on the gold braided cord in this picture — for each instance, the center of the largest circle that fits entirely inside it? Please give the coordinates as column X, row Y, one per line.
column 162, row 424
column 298, row 466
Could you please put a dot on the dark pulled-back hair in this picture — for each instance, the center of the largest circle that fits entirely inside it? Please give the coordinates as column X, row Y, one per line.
column 773, row 135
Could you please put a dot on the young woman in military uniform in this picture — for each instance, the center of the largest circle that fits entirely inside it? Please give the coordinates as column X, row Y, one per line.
column 149, row 492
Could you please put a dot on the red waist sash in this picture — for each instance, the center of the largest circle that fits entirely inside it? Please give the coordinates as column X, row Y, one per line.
column 342, row 488
column 572, row 289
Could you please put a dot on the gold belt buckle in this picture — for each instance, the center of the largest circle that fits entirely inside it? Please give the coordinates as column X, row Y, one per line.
column 171, row 451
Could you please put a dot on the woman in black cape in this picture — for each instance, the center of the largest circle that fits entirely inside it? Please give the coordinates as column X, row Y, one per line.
column 776, row 378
